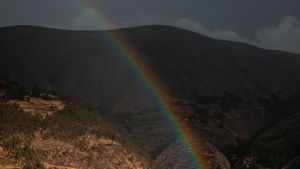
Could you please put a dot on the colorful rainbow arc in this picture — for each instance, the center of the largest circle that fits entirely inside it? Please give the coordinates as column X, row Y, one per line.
column 149, row 84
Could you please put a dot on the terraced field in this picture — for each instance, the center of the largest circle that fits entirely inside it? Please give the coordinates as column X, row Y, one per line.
column 38, row 105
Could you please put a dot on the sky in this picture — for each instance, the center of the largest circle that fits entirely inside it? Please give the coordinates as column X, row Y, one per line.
column 270, row 24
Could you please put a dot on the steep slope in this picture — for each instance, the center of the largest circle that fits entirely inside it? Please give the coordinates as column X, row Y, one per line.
column 70, row 134
column 274, row 151
column 224, row 89
column 173, row 156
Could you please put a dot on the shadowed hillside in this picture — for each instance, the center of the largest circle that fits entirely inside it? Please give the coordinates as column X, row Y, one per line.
column 223, row 89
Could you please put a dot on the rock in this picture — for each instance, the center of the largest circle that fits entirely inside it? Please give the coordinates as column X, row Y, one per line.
column 215, row 159
column 173, row 157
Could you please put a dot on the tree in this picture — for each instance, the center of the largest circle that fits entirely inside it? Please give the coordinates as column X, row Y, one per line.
column 35, row 91
column 20, row 95
column 6, row 97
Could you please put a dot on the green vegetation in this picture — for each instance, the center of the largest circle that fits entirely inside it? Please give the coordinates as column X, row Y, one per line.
column 13, row 120
column 13, row 92
column 213, row 133
column 143, row 128
column 35, row 91
column 199, row 110
column 146, row 132
column 25, row 152
column 141, row 152
column 76, row 119
column 273, row 151
column 46, row 97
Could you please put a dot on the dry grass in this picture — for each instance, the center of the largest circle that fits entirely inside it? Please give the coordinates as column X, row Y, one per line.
column 87, row 151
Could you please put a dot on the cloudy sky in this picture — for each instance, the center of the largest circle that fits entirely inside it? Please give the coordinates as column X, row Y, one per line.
column 271, row 24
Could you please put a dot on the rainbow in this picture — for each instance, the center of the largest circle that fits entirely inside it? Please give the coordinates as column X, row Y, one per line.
column 151, row 85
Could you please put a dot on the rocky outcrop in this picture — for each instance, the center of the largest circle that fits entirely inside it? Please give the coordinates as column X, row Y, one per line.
column 215, row 159
column 173, row 157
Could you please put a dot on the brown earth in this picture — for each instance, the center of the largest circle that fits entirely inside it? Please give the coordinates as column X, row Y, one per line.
column 5, row 160
column 38, row 105
column 86, row 152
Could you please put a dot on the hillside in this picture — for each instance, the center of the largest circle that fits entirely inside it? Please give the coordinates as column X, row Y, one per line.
column 58, row 131
column 223, row 90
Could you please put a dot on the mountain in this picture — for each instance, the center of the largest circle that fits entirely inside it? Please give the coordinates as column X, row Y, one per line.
column 54, row 130
column 225, row 90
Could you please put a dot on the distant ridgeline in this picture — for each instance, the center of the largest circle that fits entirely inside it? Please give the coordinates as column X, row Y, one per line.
column 77, row 118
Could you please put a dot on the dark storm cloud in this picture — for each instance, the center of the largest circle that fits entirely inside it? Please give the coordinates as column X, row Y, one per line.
column 36, row 12
column 271, row 24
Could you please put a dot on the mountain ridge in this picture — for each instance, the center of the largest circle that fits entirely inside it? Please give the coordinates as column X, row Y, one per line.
column 223, row 88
